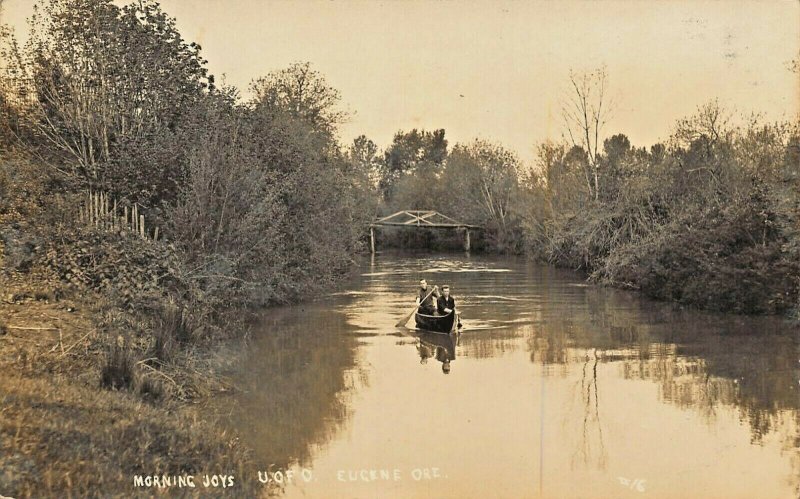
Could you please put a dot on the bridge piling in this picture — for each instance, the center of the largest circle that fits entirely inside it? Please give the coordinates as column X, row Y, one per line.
column 372, row 240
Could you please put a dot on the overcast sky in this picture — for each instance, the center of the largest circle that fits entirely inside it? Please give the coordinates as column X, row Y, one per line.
column 497, row 70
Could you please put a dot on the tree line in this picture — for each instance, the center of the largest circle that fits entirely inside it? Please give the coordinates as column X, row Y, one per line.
column 709, row 217
column 112, row 98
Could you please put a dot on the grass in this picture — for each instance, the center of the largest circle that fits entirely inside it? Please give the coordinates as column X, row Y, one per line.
column 61, row 440
column 172, row 327
column 63, row 435
column 117, row 371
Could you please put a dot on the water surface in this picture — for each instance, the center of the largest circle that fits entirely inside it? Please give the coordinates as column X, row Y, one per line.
column 555, row 389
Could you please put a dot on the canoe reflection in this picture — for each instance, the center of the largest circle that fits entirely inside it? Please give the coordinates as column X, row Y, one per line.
column 440, row 346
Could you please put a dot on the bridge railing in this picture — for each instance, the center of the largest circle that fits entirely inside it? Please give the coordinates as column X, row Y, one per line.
column 428, row 219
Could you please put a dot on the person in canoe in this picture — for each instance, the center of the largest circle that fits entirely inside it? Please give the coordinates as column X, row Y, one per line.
column 446, row 304
column 425, row 300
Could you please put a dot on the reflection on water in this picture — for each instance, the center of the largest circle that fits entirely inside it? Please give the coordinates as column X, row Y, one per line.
column 441, row 347
column 554, row 389
column 294, row 385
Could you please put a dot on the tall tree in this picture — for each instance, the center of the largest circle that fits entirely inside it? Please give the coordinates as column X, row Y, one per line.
column 412, row 151
column 363, row 155
column 95, row 77
column 483, row 179
column 293, row 120
column 302, row 92
column 585, row 111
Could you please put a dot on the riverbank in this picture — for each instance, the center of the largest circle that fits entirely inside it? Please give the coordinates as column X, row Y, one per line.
column 62, row 434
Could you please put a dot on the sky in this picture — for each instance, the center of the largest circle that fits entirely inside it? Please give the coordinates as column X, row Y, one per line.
column 499, row 70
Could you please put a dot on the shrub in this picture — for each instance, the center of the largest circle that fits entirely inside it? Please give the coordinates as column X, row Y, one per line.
column 132, row 269
column 152, row 388
column 172, row 328
column 712, row 221
column 118, row 370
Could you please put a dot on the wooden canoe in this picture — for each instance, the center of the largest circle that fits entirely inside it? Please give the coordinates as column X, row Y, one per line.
column 436, row 323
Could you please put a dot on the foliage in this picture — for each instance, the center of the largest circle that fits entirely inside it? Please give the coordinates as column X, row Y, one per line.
column 476, row 183
column 417, row 152
column 112, row 97
column 709, row 219
column 226, row 222
column 303, row 93
column 365, row 163
column 131, row 269
column 262, row 179
column 99, row 85
column 480, row 184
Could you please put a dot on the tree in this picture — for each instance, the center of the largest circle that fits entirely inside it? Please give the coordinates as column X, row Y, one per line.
column 483, row 178
column 227, row 222
column 95, row 77
column 616, row 148
column 363, row 154
column 411, row 152
column 708, row 128
column 658, row 152
column 292, row 128
column 272, row 207
column 704, row 147
column 303, row 93
column 585, row 112
column 563, row 172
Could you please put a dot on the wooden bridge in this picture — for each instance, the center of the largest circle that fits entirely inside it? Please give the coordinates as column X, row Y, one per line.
column 421, row 219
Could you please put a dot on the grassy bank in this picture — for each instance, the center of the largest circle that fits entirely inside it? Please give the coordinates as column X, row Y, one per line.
column 63, row 434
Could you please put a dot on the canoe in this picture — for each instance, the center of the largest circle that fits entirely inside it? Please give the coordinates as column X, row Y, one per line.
column 435, row 323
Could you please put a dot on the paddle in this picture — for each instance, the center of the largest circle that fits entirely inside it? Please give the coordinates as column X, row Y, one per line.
column 403, row 321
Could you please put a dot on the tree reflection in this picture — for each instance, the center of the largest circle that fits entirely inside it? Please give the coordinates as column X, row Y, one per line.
column 489, row 343
column 295, row 387
column 591, row 417
column 700, row 362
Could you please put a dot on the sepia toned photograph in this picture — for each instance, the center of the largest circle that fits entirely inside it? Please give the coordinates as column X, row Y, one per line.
column 411, row 249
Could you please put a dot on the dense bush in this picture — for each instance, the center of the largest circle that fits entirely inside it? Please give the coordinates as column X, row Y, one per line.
column 239, row 189
column 714, row 263
column 710, row 219
column 270, row 208
column 125, row 266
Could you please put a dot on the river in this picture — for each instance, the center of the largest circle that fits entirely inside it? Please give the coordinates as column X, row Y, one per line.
column 555, row 389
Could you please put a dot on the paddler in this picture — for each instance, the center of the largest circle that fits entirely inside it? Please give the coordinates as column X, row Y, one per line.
column 425, row 299
column 445, row 304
